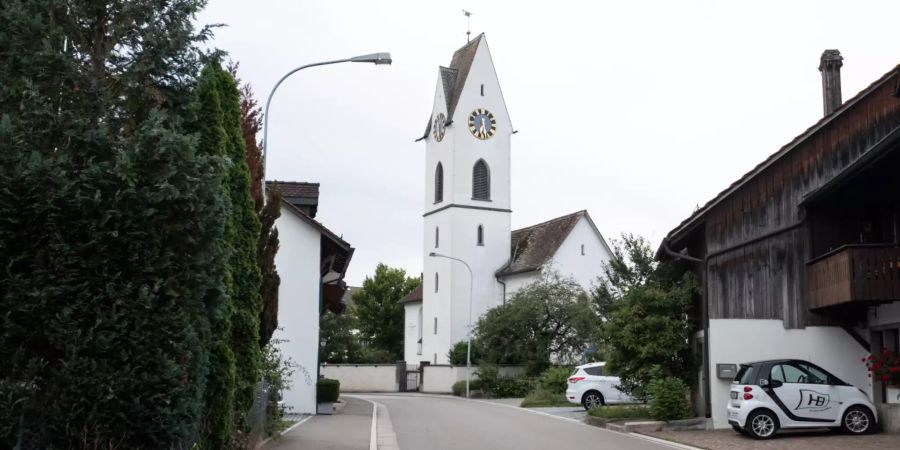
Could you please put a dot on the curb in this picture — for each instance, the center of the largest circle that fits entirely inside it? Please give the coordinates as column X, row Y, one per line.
column 285, row 431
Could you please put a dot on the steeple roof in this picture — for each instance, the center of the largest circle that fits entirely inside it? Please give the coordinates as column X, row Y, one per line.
column 453, row 78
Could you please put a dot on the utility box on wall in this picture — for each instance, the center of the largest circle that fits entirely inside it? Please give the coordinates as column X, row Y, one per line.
column 726, row 371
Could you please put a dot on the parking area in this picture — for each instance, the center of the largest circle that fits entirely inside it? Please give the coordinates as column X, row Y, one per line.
column 806, row 440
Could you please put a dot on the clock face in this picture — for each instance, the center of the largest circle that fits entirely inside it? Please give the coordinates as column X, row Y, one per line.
column 439, row 127
column 482, row 124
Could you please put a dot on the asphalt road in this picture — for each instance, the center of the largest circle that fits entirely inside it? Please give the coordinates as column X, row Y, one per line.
column 436, row 423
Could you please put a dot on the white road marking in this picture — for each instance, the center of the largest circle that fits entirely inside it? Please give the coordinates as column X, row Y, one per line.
column 382, row 436
column 387, row 438
column 373, row 437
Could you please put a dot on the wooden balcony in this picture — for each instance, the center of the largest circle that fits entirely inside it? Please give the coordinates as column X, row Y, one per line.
column 864, row 275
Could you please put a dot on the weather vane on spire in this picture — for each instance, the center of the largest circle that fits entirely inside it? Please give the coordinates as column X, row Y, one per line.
column 468, row 24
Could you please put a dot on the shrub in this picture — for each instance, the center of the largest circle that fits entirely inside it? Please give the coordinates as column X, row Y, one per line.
column 620, row 412
column 459, row 388
column 487, row 374
column 276, row 371
column 555, row 380
column 457, row 354
column 541, row 397
column 511, row 387
column 668, row 399
column 327, row 390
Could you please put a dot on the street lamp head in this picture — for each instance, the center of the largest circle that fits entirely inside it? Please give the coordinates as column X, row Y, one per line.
column 377, row 58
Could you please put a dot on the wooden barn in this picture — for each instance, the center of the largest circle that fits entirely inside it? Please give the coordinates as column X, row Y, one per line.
column 799, row 258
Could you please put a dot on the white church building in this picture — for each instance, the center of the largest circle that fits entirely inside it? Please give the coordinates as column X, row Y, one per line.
column 468, row 214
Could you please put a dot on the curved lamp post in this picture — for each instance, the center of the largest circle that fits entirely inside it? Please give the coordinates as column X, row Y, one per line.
column 469, row 328
column 376, row 58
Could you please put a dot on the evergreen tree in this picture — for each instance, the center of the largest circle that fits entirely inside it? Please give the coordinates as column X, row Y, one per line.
column 242, row 235
column 111, row 223
column 219, row 396
column 267, row 212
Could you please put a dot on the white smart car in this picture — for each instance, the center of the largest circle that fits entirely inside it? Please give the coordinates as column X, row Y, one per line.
column 590, row 386
column 790, row 393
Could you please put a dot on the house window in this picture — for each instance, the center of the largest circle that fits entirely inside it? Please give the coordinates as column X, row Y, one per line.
column 582, row 249
column 437, row 280
column 481, row 181
column 480, row 235
column 435, row 325
column 437, row 237
column 439, row 183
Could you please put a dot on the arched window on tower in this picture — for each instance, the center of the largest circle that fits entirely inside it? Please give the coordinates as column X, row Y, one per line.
column 439, row 183
column 437, row 237
column 481, row 181
column 437, row 281
column 480, row 235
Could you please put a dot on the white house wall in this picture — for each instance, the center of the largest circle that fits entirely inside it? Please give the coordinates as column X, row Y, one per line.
column 411, row 335
column 569, row 261
column 735, row 341
column 516, row 282
column 887, row 314
column 298, row 307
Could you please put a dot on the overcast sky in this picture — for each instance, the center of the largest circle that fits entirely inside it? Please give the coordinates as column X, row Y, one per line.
column 635, row 111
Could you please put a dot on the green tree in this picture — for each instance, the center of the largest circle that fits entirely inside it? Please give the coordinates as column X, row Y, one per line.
column 219, row 397
column 645, row 310
column 459, row 353
column 242, row 232
column 377, row 305
column 550, row 318
column 111, row 223
column 339, row 343
column 267, row 212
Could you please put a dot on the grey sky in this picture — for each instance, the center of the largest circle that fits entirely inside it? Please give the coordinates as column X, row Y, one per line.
column 635, row 111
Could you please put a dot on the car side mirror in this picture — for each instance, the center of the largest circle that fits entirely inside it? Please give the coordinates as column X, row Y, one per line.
column 775, row 384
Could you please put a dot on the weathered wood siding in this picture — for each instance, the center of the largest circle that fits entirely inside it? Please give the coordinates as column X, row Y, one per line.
column 767, row 278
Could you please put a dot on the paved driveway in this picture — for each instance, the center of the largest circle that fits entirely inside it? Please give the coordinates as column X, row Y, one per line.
column 816, row 440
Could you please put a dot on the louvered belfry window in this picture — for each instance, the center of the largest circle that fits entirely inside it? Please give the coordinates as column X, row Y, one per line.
column 439, row 183
column 481, row 181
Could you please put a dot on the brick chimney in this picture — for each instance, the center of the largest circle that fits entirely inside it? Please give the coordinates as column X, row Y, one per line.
column 830, row 66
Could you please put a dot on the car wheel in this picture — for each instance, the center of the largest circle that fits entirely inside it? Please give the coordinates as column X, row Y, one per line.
column 762, row 424
column 592, row 399
column 857, row 420
column 739, row 429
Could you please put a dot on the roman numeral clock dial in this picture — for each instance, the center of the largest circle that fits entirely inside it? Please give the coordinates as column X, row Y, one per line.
column 482, row 124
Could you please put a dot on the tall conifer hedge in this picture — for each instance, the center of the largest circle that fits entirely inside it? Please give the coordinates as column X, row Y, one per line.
column 242, row 234
column 111, row 228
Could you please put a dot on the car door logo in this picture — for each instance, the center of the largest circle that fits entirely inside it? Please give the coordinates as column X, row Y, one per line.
column 813, row 400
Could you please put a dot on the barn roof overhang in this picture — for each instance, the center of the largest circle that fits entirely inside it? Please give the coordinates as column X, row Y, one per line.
column 676, row 238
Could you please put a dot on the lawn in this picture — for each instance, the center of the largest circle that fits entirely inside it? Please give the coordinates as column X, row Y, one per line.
column 613, row 412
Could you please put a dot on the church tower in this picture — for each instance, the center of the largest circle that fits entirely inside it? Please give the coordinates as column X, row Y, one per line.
column 467, row 199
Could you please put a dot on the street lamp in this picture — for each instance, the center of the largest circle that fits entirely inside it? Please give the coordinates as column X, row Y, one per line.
column 376, row 58
column 469, row 330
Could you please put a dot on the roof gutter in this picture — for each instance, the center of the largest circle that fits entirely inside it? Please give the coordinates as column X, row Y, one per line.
column 674, row 254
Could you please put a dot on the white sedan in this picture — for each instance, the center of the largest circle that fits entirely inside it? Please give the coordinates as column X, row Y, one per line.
column 591, row 387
